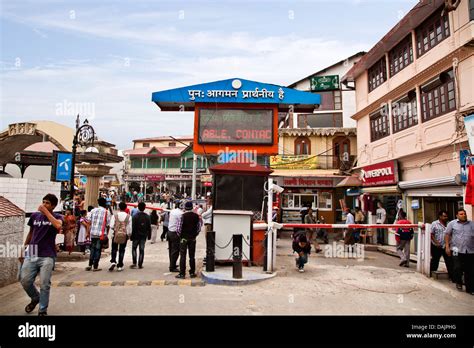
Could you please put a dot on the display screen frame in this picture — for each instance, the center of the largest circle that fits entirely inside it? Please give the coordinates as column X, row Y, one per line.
column 269, row 142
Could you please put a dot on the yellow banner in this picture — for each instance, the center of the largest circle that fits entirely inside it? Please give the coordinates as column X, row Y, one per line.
column 293, row 162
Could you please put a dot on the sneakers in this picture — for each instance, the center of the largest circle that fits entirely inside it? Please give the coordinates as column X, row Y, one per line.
column 97, row 269
column 88, row 268
column 112, row 266
column 402, row 263
column 192, row 275
column 133, row 266
column 175, row 270
column 180, row 276
column 119, row 269
column 459, row 287
column 301, row 270
column 42, row 314
column 140, row 266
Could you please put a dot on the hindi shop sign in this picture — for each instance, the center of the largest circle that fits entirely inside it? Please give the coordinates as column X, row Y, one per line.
column 385, row 173
column 325, row 83
column 307, row 182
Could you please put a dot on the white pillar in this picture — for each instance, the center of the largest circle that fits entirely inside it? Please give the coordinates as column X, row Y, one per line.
column 270, row 239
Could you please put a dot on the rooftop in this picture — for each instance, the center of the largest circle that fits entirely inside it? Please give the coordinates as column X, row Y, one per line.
column 7, row 208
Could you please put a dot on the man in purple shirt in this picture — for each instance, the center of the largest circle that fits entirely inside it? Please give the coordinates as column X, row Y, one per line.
column 40, row 253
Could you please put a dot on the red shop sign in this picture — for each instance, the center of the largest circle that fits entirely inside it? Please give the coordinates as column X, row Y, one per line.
column 385, row 173
column 154, row 177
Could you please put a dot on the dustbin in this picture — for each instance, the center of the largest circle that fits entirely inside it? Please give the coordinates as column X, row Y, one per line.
column 258, row 247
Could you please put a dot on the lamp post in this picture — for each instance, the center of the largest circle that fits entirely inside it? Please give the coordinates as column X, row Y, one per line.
column 85, row 135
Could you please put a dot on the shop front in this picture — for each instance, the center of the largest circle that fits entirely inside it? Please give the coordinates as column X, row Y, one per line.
column 300, row 192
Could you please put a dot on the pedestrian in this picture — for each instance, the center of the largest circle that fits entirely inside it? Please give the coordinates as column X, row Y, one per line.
column 459, row 242
column 141, row 231
column 121, row 224
column 311, row 232
column 207, row 217
column 134, row 211
column 154, row 225
column 403, row 237
column 322, row 232
column 381, row 218
column 165, row 217
column 40, row 253
column 83, row 238
column 303, row 249
column 359, row 218
column 173, row 238
column 438, row 231
column 200, row 210
column 114, row 201
column 100, row 224
column 349, row 236
column 188, row 229
column 69, row 230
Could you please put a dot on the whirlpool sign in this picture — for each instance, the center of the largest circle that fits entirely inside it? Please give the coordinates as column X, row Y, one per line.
column 384, row 173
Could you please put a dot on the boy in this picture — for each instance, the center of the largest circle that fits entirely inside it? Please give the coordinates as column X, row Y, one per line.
column 303, row 248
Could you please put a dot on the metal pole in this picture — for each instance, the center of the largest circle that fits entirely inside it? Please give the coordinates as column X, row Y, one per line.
column 427, row 249
column 419, row 252
column 193, row 188
column 237, row 256
column 73, row 166
column 270, row 230
column 210, row 251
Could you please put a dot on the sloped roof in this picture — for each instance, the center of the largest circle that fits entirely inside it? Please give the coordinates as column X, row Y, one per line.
column 159, row 151
column 7, row 208
column 45, row 146
column 185, row 137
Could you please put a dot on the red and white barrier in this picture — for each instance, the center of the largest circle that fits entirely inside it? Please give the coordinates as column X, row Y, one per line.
column 146, row 207
column 422, row 226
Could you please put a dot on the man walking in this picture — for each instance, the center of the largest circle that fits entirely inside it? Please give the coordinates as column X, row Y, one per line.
column 405, row 235
column 438, row 231
column 349, row 237
column 100, row 224
column 40, row 254
column 121, row 224
column 310, row 232
column 173, row 238
column 188, row 229
column 381, row 218
column 459, row 242
column 141, row 230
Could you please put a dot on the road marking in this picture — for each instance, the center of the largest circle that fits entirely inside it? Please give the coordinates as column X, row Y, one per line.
column 131, row 283
column 79, row 283
column 158, row 282
column 184, row 282
column 105, row 283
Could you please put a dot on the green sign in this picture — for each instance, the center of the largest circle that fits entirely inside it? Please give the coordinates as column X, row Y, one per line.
column 325, row 83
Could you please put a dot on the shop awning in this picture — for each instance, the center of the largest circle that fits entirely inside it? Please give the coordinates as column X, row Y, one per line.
column 440, row 191
column 350, row 181
column 381, row 189
column 442, row 181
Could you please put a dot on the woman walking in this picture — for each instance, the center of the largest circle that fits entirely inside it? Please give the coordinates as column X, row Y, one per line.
column 154, row 226
column 69, row 230
column 83, row 239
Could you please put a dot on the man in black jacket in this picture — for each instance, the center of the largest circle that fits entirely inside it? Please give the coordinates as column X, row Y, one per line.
column 188, row 229
column 141, row 230
column 302, row 248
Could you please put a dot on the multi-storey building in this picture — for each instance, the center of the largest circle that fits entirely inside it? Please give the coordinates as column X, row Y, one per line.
column 413, row 89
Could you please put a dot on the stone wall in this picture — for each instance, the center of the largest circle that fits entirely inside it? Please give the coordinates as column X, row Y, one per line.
column 27, row 194
column 11, row 238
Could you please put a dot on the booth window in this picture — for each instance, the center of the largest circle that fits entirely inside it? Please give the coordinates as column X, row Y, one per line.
column 438, row 96
column 299, row 200
column 379, row 126
column 325, row 200
column 431, row 32
column 401, row 56
column 302, row 146
column 377, row 74
column 404, row 112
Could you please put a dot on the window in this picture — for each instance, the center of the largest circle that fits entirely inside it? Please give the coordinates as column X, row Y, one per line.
column 146, row 144
column 438, row 96
column 299, row 200
column 136, row 163
column 172, row 144
column 325, row 200
column 401, row 56
column 377, row 74
column 404, row 112
column 302, row 146
column 379, row 126
column 337, row 100
column 431, row 32
column 320, row 120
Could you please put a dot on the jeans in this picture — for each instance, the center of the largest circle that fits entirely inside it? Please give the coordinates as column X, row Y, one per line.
column 141, row 243
column 121, row 250
column 464, row 263
column 30, row 269
column 300, row 262
column 165, row 232
column 403, row 250
column 96, row 251
column 173, row 248
column 380, row 235
column 436, row 253
column 184, row 246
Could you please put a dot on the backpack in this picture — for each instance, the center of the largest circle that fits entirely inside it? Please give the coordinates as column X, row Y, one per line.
column 405, row 233
column 120, row 235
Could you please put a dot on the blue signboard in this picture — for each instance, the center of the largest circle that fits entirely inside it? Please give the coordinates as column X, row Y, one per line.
column 465, row 161
column 63, row 166
column 235, row 90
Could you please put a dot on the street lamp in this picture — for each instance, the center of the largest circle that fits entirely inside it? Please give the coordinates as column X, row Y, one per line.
column 84, row 136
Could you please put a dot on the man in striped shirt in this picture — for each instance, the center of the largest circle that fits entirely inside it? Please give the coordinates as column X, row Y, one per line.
column 100, row 222
column 438, row 230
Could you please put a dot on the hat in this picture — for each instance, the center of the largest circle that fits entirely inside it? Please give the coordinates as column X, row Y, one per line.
column 188, row 206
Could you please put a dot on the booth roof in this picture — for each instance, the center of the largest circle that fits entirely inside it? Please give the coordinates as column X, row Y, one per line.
column 240, row 168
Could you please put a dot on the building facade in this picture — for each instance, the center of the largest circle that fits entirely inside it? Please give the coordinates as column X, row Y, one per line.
column 164, row 164
column 413, row 89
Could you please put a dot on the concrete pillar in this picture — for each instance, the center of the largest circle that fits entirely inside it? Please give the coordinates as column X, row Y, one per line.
column 94, row 172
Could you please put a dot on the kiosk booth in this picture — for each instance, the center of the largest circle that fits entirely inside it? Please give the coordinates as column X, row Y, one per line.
column 237, row 121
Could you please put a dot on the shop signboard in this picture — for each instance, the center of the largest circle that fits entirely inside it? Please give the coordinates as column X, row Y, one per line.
column 385, row 173
column 293, row 162
column 325, row 83
column 307, row 182
column 154, row 178
column 61, row 168
column 469, row 124
column 465, row 161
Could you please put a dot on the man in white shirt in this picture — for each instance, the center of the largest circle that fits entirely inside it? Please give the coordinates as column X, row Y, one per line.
column 381, row 218
column 122, row 217
column 173, row 238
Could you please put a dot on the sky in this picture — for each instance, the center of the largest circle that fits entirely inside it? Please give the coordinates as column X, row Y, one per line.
column 104, row 59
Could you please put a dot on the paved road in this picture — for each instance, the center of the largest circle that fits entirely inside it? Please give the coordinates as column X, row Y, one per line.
column 374, row 285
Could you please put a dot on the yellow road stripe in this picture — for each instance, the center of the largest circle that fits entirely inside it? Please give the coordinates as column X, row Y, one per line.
column 131, row 283
column 105, row 283
column 55, row 284
column 158, row 282
column 184, row 282
column 78, row 284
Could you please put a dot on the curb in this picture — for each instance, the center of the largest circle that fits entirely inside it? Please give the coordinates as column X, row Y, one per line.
column 234, row 282
column 125, row 283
